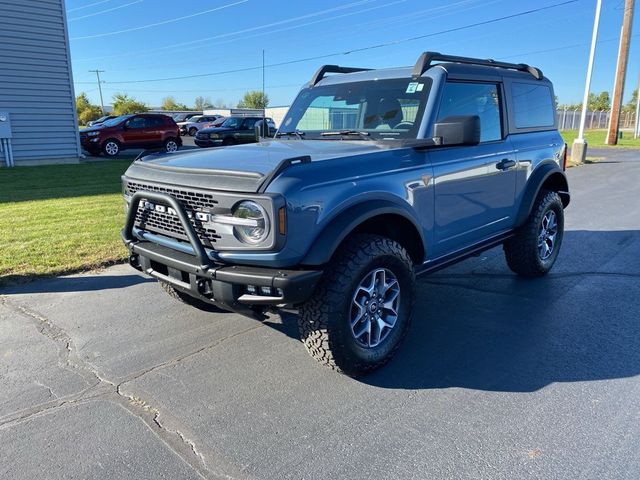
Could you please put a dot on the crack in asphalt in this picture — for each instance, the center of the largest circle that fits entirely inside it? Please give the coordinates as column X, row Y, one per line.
column 104, row 388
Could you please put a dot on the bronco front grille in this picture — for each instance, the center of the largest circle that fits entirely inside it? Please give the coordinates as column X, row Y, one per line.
column 191, row 199
column 168, row 224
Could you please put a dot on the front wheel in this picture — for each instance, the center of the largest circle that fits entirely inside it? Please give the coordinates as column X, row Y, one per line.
column 193, row 131
column 359, row 312
column 111, row 148
column 534, row 249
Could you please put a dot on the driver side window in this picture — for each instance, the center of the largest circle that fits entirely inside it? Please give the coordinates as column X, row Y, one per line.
column 137, row 122
column 480, row 99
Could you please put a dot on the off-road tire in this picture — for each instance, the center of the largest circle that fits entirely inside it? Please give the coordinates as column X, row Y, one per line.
column 323, row 320
column 521, row 251
column 188, row 299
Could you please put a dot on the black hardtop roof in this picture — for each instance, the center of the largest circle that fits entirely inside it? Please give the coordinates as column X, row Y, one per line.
column 453, row 64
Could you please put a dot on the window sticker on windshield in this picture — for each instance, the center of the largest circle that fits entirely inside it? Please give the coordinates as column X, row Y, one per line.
column 420, row 87
column 411, row 88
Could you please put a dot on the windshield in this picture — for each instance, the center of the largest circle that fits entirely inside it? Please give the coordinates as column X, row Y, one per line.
column 385, row 109
column 232, row 122
column 115, row 121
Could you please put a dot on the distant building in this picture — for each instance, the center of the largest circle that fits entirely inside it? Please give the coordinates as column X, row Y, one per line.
column 37, row 99
column 275, row 113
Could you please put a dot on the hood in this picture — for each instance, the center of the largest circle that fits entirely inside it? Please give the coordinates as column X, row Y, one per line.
column 216, row 129
column 93, row 128
column 241, row 168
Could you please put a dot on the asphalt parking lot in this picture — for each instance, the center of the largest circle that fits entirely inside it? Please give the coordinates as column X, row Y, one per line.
column 104, row 376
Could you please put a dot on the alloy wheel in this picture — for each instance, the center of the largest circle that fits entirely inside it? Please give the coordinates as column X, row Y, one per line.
column 547, row 235
column 111, row 148
column 171, row 146
column 374, row 307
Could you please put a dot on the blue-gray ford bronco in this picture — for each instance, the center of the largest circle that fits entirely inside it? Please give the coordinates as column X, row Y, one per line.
column 374, row 177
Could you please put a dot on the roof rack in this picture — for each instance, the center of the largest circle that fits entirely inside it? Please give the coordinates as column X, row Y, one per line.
column 319, row 75
column 427, row 58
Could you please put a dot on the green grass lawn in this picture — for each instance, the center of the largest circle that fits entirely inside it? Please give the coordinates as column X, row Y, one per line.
column 59, row 219
column 596, row 139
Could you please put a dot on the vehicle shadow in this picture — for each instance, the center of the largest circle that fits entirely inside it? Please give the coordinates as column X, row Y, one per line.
column 80, row 283
column 490, row 330
column 478, row 326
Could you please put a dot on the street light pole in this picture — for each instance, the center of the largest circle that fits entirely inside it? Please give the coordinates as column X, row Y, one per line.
column 98, row 72
column 579, row 148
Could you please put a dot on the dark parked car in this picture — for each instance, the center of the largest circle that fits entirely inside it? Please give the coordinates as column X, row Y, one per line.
column 146, row 130
column 376, row 177
column 216, row 123
column 233, row 131
column 100, row 120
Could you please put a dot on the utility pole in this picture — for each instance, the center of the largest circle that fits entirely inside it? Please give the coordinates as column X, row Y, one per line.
column 579, row 147
column 636, row 130
column 265, row 128
column 621, row 72
column 98, row 72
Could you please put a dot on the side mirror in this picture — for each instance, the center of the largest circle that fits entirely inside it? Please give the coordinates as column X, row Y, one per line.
column 457, row 130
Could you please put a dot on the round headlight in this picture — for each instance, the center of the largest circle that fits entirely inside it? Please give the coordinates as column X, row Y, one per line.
column 256, row 227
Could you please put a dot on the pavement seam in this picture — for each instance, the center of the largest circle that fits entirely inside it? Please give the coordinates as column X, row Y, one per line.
column 184, row 448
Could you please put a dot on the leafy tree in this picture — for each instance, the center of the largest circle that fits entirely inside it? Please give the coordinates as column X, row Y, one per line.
column 599, row 102
column 202, row 103
column 630, row 106
column 123, row 104
column 169, row 103
column 254, row 99
column 86, row 111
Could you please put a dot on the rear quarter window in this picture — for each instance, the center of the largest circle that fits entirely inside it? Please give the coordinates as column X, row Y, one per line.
column 532, row 105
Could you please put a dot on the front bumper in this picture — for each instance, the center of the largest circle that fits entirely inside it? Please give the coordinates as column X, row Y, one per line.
column 208, row 143
column 232, row 287
column 90, row 143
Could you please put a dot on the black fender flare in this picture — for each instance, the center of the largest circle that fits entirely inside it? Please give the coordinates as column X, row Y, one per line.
column 534, row 184
column 342, row 224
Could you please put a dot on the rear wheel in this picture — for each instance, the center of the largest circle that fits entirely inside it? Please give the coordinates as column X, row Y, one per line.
column 171, row 145
column 534, row 249
column 111, row 148
column 359, row 313
column 188, row 299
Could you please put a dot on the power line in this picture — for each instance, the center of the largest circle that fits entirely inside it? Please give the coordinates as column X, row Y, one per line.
column 356, row 50
column 238, row 32
column 104, row 11
column 87, row 6
column 164, row 22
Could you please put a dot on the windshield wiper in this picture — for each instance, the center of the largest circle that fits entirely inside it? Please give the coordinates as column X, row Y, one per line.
column 296, row 133
column 346, row 133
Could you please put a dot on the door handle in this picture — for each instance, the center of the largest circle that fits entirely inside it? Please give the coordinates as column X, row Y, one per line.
column 505, row 164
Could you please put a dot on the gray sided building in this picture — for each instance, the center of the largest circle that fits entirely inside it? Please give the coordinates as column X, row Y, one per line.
column 38, row 121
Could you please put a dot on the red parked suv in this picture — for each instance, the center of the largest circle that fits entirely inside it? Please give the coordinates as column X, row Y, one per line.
column 143, row 130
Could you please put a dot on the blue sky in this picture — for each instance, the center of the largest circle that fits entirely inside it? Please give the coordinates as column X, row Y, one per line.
column 136, row 41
